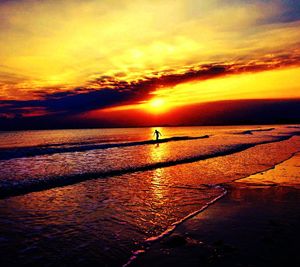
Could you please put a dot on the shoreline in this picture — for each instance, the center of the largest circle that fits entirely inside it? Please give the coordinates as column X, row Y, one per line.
column 254, row 224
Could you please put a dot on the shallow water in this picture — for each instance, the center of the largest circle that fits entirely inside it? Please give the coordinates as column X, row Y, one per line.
column 284, row 174
column 102, row 220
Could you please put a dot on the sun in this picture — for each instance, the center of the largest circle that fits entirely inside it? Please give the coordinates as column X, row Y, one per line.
column 156, row 105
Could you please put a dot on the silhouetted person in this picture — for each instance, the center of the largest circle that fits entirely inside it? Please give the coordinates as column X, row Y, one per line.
column 157, row 134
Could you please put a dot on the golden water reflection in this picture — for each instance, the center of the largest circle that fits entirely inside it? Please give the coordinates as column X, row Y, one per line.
column 157, row 153
column 156, row 183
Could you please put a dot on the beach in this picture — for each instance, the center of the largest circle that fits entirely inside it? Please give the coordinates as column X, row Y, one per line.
column 112, row 197
column 149, row 133
column 255, row 224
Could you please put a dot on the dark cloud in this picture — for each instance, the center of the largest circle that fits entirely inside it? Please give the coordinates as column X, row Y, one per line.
column 108, row 91
column 70, row 102
column 239, row 112
column 288, row 10
column 291, row 11
column 120, row 92
column 232, row 112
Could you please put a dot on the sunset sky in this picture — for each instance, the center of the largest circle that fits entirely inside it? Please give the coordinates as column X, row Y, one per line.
column 107, row 60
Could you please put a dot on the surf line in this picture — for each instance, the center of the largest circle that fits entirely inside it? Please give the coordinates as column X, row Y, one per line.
column 7, row 154
column 270, row 168
column 149, row 241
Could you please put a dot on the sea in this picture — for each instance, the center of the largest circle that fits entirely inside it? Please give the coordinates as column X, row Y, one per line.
column 102, row 197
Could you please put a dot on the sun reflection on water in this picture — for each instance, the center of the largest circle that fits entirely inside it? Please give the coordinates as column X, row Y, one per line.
column 157, row 153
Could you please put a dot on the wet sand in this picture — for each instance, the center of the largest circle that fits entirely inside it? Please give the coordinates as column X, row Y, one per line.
column 255, row 224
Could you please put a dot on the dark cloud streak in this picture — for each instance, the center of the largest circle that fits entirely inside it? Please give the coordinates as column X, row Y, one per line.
column 109, row 91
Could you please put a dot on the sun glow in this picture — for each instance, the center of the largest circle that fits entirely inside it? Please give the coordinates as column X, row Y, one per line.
column 265, row 84
column 156, row 105
column 231, row 87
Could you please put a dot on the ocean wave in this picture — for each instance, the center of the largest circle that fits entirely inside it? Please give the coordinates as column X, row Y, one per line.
column 13, row 188
column 256, row 130
column 6, row 154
